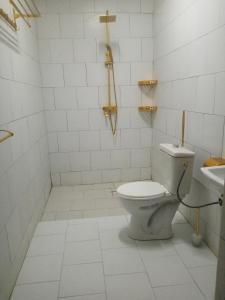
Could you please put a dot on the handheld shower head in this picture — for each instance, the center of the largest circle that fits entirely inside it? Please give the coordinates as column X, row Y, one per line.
column 109, row 53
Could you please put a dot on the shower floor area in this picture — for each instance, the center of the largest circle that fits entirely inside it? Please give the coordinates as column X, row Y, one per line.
column 83, row 201
column 94, row 259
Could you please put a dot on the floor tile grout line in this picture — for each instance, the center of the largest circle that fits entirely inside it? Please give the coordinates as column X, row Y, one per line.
column 83, row 263
column 36, row 282
column 83, row 295
column 173, row 285
column 103, row 269
column 125, row 273
column 47, row 235
column 197, row 286
column 146, row 271
column 202, row 266
column 194, row 282
column 44, row 255
column 62, row 262
column 199, row 266
column 51, row 234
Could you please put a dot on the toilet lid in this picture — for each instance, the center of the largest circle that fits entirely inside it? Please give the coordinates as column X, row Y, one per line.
column 141, row 190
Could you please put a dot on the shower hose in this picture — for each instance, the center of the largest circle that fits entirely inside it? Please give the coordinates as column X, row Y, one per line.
column 220, row 201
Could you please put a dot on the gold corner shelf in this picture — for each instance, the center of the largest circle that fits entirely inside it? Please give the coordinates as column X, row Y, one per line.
column 7, row 135
column 150, row 83
column 147, row 108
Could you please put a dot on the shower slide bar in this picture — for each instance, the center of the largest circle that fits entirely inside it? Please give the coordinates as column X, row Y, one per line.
column 111, row 109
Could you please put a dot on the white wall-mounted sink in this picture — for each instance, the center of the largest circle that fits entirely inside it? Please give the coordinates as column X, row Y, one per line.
column 216, row 175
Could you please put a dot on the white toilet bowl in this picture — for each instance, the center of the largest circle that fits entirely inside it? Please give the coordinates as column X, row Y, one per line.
column 152, row 209
column 153, row 204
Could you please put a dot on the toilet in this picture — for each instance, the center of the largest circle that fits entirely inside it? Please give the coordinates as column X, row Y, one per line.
column 153, row 204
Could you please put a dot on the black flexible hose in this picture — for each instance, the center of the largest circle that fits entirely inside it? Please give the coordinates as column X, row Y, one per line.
column 220, row 202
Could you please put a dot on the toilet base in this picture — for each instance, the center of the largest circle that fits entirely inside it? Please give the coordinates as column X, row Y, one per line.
column 138, row 231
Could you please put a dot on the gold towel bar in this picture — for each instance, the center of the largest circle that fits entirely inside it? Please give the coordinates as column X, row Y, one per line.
column 6, row 136
column 27, row 13
column 24, row 9
column 18, row 13
column 6, row 17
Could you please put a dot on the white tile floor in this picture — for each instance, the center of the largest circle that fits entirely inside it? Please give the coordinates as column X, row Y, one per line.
column 93, row 259
column 83, row 201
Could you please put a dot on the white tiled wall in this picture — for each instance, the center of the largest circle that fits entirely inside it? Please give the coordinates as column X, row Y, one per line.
column 189, row 62
column 71, row 43
column 24, row 165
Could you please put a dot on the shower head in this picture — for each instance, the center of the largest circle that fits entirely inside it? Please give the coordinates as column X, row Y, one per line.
column 107, row 18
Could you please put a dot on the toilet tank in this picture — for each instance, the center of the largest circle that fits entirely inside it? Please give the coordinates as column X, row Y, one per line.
column 168, row 163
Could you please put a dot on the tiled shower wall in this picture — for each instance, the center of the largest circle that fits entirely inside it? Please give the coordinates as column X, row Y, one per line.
column 24, row 165
column 71, row 43
column 189, row 62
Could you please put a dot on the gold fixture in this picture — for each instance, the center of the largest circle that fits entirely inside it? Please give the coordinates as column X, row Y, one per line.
column 214, row 161
column 7, row 135
column 150, row 83
column 7, row 19
column 147, row 108
column 24, row 9
column 107, row 18
column 18, row 13
column 183, row 128
column 110, row 110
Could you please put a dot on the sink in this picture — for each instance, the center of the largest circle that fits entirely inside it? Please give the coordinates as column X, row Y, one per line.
column 216, row 175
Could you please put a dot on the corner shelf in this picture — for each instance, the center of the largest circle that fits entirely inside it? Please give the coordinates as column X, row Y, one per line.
column 150, row 83
column 147, row 108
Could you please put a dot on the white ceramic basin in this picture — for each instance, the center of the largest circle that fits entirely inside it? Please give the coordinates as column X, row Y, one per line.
column 215, row 174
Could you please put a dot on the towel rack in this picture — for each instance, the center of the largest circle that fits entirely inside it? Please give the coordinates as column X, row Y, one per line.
column 7, row 135
column 24, row 9
column 7, row 19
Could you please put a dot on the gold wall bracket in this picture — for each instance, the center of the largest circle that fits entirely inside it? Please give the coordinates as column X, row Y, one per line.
column 109, row 110
column 150, row 83
column 147, row 108
column 6, row 136
column 108, row 63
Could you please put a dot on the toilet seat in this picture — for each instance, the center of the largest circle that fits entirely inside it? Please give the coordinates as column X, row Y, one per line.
column 143, row 190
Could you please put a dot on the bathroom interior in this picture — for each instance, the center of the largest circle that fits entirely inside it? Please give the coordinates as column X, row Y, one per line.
column 112, row 149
